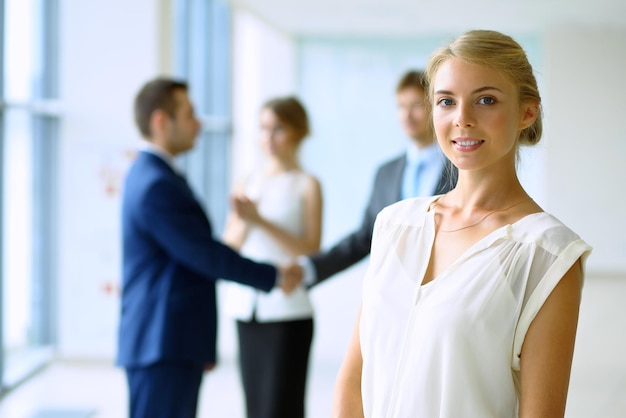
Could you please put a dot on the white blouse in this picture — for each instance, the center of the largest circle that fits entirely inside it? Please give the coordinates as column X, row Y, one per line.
column 280, row 200
column 451, row 347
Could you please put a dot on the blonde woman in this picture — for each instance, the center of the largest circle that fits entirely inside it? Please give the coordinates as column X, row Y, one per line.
column 470, row 303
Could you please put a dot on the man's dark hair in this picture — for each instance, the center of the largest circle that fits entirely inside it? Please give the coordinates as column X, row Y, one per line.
column 415, row 79
column 157, row 94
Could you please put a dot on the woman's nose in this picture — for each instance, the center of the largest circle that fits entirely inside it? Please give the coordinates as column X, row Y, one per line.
column 464, row 116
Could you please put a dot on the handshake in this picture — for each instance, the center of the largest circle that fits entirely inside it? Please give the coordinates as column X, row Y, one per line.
column 289, row 277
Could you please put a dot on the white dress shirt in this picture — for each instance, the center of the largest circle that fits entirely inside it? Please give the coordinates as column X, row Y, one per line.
column 432, row 161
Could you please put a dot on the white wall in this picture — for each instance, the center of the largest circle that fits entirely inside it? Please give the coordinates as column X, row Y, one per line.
column 264, row 66
column 108, row 49
column 586, row 138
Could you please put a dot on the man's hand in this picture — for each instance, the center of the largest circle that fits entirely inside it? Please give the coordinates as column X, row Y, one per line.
column 290, row 277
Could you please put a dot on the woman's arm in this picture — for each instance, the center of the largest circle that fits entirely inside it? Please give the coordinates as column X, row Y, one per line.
column 546, row 356
column 310, row 240
column 236, row 228
column 347, row 400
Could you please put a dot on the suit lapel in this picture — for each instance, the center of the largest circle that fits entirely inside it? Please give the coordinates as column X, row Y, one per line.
column 398, row 174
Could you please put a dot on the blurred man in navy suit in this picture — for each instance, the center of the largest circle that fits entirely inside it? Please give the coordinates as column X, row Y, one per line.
column 167, row 335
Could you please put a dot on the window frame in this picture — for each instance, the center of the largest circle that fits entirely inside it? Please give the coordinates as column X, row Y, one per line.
column 202, row 56
column 44, row 111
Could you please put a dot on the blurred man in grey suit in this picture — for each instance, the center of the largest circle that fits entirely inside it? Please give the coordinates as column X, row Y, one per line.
column 420, row 171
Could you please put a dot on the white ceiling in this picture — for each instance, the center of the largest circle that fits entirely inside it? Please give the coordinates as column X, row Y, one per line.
column 420, row 17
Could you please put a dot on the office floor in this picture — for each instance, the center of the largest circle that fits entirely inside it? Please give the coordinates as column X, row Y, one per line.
column 597, row 386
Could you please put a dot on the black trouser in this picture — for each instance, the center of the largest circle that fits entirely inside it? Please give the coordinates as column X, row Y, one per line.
column 274, row 359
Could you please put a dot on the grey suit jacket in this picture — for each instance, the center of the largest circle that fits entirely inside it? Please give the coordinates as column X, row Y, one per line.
column 356, row 246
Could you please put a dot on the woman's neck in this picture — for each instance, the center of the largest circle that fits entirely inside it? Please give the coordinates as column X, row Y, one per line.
column 278, row 166
column 474, row 190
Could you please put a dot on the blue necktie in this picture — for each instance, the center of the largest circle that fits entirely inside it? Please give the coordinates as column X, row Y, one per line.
column 417, row 174
column 413, row 180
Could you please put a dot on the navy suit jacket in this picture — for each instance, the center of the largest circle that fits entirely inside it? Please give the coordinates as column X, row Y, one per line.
column 170, row 265
column 387, row 190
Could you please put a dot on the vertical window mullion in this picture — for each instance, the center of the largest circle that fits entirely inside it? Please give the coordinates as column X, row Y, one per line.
column 44, row 159
column 50, row 50
column 2, row 113
column 181, row 37
column 45, row 137
column 202, row 54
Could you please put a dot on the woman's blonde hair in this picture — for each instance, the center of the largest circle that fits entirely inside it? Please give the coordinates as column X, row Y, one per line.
column 498, row 51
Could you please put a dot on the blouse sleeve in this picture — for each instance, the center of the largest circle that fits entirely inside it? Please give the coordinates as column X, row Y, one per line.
column 547, row 266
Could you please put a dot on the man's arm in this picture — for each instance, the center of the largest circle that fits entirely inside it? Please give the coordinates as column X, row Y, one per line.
column 178, row 223
column 356, row 246
column 347, row 252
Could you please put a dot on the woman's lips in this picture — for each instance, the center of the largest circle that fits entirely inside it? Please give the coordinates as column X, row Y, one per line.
column 467, row 144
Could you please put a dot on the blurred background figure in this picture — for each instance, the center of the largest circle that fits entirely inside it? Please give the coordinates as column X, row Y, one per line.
column 171, row 261
column 420, row 171
column 276, row 216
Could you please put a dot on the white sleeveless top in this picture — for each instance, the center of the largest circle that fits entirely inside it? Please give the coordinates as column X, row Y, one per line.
column 280, row 200
column 451, row 348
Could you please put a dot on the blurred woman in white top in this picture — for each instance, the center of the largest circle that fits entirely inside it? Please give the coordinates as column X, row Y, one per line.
column 276, row 216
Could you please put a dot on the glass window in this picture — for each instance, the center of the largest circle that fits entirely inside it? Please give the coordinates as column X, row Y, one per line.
column 202, row 57
column 28, row 133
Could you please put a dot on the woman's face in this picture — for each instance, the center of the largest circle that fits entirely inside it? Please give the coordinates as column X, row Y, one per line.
column 278, row 139
column 477, row 115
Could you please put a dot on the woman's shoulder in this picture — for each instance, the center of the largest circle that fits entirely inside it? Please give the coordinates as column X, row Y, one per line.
column 306, row 176
column 545, row 230
column 307, row 181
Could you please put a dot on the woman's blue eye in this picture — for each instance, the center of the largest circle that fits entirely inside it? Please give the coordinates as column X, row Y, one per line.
column 446, row 102
column 486, row 100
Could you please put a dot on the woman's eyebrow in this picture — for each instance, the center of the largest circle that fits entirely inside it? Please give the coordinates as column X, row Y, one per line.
column 478, row 90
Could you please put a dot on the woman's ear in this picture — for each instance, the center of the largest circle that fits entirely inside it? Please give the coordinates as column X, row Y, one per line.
column 530, row 111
